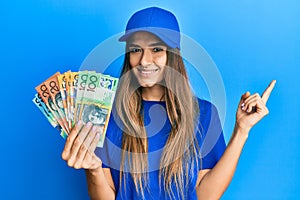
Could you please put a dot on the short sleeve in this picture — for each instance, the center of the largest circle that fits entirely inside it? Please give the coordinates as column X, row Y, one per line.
column 211, row 138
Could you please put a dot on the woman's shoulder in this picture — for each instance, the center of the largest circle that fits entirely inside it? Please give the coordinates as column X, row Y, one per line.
column 206, row 107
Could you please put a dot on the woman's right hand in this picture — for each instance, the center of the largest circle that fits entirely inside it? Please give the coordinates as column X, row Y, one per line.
column 80, row 146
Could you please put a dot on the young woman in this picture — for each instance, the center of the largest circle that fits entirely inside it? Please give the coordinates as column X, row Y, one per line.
column 157, row 127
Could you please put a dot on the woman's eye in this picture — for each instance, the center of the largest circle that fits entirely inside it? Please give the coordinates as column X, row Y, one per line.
column 134, row 50
column 157, row 49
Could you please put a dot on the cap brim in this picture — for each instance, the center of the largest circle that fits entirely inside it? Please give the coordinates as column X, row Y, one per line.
column 169, row 37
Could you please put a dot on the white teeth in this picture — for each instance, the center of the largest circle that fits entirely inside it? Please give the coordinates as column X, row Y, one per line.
column 148, row 71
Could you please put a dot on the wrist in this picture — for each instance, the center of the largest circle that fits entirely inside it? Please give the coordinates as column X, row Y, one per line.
column 241, row 131
column 94, row 172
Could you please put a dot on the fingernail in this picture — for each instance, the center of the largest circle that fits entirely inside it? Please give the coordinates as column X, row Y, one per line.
column 79, row 122
column 89, row 124
column 98, row 135
column 243, row 104
column 94, row 128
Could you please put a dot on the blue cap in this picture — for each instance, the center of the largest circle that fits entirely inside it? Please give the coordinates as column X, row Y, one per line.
column 157, row 21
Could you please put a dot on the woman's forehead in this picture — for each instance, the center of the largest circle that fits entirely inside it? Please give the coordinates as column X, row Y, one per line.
column 143, row 37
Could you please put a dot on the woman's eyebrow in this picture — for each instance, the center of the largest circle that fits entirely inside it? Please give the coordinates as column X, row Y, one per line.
column 157, row 44
column 133, row 45
column 150, row 45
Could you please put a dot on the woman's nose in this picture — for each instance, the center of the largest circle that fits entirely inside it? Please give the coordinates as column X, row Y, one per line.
column 146, row 58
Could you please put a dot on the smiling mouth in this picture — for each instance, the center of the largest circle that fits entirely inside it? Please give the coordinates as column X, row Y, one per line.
column 147, row 72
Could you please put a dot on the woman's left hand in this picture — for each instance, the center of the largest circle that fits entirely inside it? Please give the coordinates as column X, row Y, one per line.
column 252, row 108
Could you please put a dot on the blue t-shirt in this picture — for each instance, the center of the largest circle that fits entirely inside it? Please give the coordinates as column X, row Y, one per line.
column 210, row 139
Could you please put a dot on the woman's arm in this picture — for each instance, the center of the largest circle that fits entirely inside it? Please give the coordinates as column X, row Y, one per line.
column 79, row 153
column 212, row 183
column 100, row 184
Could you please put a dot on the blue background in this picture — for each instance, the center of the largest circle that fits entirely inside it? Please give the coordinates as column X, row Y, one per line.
column 251, row 42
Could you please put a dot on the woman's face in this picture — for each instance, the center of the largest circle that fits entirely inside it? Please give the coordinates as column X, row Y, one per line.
column 148, row 57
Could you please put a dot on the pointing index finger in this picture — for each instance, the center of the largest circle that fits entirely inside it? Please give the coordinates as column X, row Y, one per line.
column 267, row 92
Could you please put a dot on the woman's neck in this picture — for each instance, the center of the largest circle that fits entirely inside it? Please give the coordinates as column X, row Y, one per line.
column 154, row 93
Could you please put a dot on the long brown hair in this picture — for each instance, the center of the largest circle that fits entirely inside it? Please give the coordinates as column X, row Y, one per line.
column 180, row 150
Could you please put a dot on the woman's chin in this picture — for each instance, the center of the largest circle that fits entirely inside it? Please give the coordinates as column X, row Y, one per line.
column 147, row 84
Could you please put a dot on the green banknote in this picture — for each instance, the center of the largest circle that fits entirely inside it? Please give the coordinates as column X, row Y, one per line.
column 97, row 101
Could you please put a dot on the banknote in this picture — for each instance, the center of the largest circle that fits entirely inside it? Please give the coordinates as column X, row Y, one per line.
column 97, row 101
column 37, row 100
column 73, row 93
column 82, row 80
column 63, row 92
column 53, row 88
column 71, row 96
column 45, row 95
column 63, row 134
column 67, row 76
column 54, row 91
